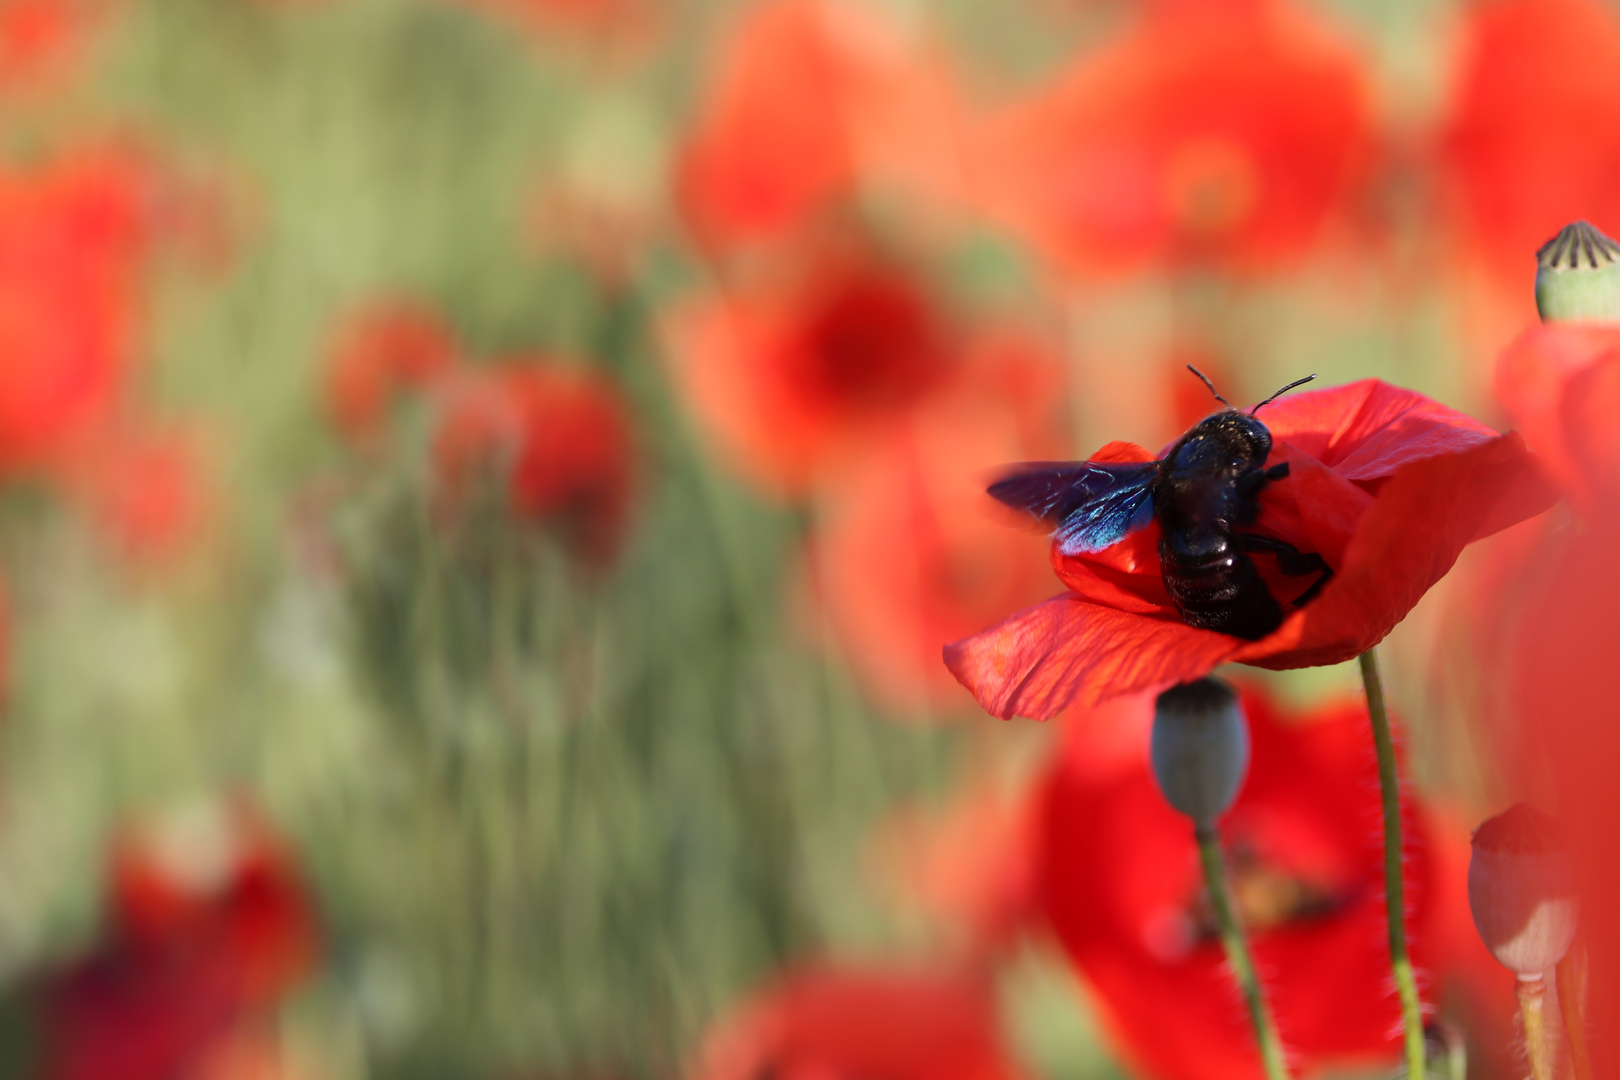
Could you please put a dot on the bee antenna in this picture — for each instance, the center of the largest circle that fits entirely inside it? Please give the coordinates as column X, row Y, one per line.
column 1205, row 380
column 1280, row 393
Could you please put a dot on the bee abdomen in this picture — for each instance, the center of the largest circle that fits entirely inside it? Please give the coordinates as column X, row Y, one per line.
column 1220, row 591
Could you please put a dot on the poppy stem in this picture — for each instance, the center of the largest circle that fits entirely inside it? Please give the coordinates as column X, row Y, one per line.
column 1532, row 995
column 1237, row 954
column 1571, row 979
column 1389, row 782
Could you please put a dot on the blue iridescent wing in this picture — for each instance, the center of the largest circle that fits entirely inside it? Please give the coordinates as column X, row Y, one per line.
column 1090, row 505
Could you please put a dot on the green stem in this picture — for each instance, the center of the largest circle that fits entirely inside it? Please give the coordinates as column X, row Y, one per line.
column 1394, row 887
column 1237, row 955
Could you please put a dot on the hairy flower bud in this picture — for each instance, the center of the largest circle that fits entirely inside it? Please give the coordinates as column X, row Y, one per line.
column 1578, row 276
column 1521, row 890
column 1200, row 748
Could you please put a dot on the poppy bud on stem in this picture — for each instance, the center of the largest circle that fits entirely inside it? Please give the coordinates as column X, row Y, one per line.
column 1389, row 783
column 1200, row 754
column 1578, row 276
column 1522, row 895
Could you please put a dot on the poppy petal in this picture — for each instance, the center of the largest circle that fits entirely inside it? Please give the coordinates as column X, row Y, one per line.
column 1366, row 430
column 1066, row 649
column 1407, row 541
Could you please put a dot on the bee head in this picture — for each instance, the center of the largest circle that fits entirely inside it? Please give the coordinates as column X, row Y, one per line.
column 1225, row 444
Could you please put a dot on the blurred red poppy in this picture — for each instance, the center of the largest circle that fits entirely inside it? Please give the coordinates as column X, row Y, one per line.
column 557, row 439
column 1560, row 382
column 40, row 41
column 210, row 924
column 71, row 243
column 1119, row 880
column 1533, row 140
column 826, row 1021
column 909, row 553
column 387, row 348
column 1563, row 695
column 1229, row 133
column 1387, row 485
column 147, row 491
column 788, row 374
column 812, row 100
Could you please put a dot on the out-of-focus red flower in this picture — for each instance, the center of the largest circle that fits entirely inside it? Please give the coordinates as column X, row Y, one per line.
column 1387, row 485
column 147, row 492
column 1229, row 133
column 558, row 438
column 1560, row 382
column 1563, row 691
column 391, row 347
column 1120, row 882
column 210, row 924
column 1563, row 383
column 825, row 1021
column 812, row 101
column 909, row 554
column 71, row 243
column 1533, row 141
column 40, row 41
column 789, row 375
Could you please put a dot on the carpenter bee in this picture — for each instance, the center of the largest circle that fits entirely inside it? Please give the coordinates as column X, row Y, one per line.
column 1202, row 493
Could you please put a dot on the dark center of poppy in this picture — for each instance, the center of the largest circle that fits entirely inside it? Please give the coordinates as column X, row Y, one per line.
column 871, row 341
column 1269, row 895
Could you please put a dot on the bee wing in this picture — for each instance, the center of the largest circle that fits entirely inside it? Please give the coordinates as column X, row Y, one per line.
column 1090, row 505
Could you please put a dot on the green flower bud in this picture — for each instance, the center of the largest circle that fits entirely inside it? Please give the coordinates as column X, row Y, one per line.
column 1521, row 890
column 1578, row 276
column 1200, row 749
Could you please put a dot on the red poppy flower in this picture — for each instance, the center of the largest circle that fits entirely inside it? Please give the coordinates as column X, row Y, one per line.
column 1208, row 132
column 810, row 100
column 787, row 375
column 1563, row 694
column 210, row 923
column 907, row 555
column 824, row 1021
column 558, row 439
column 40, row 40
column 71, row 242
column 1387, row 485
column 1560, row 382
column 146, row 491
column 389, row 348
column 1533, row 142
column 1120, row 882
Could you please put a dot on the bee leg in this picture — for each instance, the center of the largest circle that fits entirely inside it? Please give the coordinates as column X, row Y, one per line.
column 1251, row 483
column 1291, row 561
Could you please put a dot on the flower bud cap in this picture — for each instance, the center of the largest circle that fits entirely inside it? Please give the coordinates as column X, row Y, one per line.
column 1200, row 748
column 1578, row 276
column 1521, row 890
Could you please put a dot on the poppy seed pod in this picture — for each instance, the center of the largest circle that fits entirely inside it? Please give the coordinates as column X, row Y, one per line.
column 1521, row 890
column 1578, row 276
column 1200, row 748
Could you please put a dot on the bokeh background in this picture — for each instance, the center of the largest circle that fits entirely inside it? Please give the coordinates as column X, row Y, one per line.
column 484, row 484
